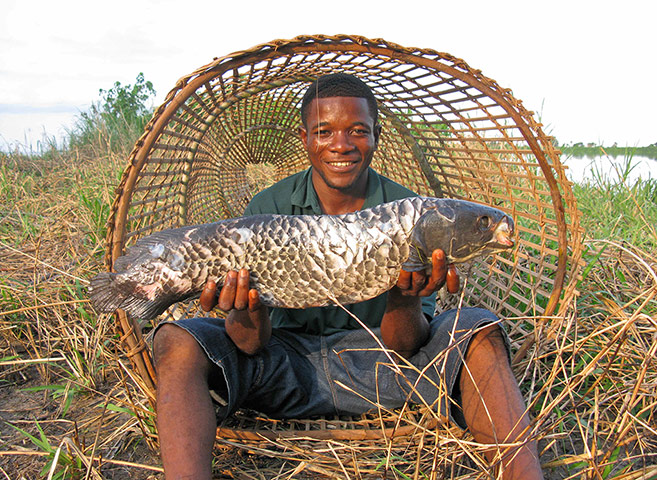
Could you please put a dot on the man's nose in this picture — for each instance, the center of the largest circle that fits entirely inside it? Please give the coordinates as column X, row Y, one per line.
column 341, row 142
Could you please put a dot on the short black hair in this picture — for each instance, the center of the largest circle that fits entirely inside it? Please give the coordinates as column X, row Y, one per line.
column 339, row 85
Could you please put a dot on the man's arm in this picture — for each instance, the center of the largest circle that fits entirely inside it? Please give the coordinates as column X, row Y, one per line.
column 404, row 327
column 247, row 323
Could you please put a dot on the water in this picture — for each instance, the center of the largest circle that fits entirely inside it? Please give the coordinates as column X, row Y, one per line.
column 611, row 169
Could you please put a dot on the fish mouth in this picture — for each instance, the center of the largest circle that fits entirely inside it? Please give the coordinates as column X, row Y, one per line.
column 503, row 234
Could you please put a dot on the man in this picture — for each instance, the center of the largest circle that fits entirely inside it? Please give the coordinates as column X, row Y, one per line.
column 292, row 363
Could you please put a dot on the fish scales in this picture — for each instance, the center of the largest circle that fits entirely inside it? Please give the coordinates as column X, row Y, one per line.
column 313, row 259
column 297, row 261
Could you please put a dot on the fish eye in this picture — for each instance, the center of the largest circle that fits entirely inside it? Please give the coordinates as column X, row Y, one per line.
column 484, row 222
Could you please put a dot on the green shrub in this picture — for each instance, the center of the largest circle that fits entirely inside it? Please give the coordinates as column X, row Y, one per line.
column 118, row 119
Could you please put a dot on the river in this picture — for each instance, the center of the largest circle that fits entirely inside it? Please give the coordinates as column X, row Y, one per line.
column 587, row 169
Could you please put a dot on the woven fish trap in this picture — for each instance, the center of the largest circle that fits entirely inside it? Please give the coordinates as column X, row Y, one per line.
column 229, row 129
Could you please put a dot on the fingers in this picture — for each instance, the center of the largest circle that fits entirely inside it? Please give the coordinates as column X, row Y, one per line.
column 411, row 283
column 242, row 293
column 227, row 293
column 452, row 280
column 235, row 292
column 254, row 300
column 404, row 281
column 437, row 278
column 208, row 298
column 419, row 284
column 438, row 271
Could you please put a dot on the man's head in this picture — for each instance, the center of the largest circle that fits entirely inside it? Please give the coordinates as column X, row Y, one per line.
column 340, row 134
column 338, row 85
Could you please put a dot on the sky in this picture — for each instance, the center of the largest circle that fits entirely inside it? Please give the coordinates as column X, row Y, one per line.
column 586, row 68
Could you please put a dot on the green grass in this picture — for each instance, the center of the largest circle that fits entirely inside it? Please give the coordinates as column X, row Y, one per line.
column 579, row 150
column 62, row 201
column 54, row 204
column 60, row 463
column 620, row 210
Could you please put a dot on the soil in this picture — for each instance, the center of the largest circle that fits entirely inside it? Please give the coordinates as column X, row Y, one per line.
column 31, row 410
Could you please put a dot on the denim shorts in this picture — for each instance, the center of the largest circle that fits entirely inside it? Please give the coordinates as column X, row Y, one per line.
column 301, row 376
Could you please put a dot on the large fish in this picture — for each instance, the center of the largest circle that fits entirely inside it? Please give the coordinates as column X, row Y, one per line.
column 299, row 261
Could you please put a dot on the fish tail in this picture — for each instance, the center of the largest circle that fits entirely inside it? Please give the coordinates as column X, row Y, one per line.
column 107, row 295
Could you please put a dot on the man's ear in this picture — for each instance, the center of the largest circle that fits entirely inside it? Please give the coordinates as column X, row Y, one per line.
column 377, row 133
column 303, row 135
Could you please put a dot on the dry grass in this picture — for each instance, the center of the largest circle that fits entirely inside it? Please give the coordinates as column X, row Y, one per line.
column 591, row 379
column 59, row 367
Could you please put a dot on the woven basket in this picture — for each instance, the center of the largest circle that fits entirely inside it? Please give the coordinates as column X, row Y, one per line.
column 228, row 130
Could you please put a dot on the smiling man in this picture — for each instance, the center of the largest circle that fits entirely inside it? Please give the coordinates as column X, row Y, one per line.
column 340, row 140
column 288, row 363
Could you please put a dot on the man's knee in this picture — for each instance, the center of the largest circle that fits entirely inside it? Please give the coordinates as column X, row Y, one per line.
column 175, row 345
column 489, row 341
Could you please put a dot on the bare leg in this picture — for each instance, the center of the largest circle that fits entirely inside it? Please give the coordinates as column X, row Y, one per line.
column 493, row 405
column 185, row 416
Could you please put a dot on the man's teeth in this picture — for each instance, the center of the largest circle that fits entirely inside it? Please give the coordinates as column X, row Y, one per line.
column 340, row 164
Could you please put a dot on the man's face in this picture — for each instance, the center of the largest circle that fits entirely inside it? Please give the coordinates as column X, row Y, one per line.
column 340, row 138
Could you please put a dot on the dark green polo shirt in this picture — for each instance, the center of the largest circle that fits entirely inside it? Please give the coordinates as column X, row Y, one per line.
column 295, row 195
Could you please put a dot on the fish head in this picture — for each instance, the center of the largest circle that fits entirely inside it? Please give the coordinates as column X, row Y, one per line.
column 463, row 230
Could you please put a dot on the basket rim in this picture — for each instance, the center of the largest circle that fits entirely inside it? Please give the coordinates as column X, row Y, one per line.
column 188, row 85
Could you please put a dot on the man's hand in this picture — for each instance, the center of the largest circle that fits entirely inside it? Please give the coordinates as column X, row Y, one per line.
column 404, row 328
column 417, row 284
column 235, row 294
column 247, row 323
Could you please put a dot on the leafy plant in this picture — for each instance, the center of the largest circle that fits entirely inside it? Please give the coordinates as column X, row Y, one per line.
column 118, row 118
column 127, row 102
column 580, row 150
column 60, row 464
column 630, row 210
column 67, row 392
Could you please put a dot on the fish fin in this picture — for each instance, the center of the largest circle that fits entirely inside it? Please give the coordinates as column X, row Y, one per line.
column 145, row 309
column 417, row 261
column 140, row 251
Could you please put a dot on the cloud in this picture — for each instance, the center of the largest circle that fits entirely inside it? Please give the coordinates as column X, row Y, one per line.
column 22, row 108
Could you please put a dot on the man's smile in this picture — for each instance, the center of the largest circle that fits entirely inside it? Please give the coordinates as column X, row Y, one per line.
column 341, row 164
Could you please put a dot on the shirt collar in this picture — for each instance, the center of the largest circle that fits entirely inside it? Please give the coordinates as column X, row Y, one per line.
column 374, row 194
column 305, row 197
